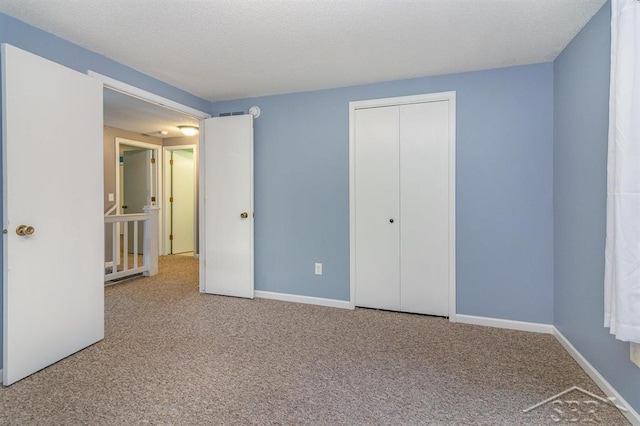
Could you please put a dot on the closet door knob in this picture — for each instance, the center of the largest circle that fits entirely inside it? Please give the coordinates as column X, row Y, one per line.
column 390, row 220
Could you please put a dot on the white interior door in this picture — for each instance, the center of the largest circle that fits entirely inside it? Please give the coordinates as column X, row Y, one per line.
column 377, row 208
column 424, row 201
column 52, row 161
column 136, row 178
column 227, row 215
column 182, row 207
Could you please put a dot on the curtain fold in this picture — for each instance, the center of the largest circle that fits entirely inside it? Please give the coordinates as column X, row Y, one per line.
column 622, row 251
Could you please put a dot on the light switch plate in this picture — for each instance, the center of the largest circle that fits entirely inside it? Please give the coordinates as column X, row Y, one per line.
column 111, row 197
column 318, row 268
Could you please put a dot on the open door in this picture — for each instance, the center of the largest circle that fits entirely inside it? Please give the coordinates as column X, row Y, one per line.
column 227, row 177
column 136, row 188
column 182, row 201
column 53, row 267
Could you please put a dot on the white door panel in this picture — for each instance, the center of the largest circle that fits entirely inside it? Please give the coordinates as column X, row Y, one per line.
column 424, row 195
column 52, row 162
column 401, row 172
column 228, row 193
column 377, row 204
column 183, row 193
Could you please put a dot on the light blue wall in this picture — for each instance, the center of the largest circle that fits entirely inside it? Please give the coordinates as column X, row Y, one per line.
column 504, row 189
column 581, row 117
column 58, row 50
column 73, row 56
column 505, row 181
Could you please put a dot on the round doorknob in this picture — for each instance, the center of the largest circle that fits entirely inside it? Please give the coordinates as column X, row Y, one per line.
column 390, row 220
column 244, row 215
column 25, row 230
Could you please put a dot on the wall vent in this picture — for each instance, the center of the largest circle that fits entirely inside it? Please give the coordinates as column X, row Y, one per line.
column 227, row 114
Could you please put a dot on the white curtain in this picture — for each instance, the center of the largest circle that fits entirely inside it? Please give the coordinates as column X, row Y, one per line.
column 622, row 252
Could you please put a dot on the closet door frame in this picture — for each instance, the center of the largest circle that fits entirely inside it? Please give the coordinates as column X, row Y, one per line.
column 450, row 97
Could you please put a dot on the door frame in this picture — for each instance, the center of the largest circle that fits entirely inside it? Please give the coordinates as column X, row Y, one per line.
column 129, row 90
column 397, row 101
column 143, row 145
column 158, row 154
column 166, row 205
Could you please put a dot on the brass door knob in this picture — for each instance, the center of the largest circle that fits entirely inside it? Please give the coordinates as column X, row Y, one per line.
column 244, row 215
column 25, row 230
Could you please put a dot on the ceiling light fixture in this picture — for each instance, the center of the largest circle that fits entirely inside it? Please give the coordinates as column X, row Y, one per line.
column 189, row 130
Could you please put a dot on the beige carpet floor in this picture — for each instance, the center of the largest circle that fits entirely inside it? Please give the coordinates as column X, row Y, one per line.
column 174, row 356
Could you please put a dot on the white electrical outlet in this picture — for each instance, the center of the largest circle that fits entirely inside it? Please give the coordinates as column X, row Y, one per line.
column 111, row 198
column 635, row 353
column 318, row 268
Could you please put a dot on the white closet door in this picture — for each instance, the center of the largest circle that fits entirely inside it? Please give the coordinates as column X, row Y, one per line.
column 424, row 198
column 377, row 208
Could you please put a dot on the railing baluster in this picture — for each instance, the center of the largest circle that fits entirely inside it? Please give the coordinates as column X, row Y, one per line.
column 151, row 240
column 135, row 243
column 125, row 251
column 149, row 265
column 114, row 249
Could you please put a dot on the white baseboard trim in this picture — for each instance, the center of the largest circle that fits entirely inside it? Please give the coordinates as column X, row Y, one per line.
column 602, row 383
column 303, row 299
column 503, row 323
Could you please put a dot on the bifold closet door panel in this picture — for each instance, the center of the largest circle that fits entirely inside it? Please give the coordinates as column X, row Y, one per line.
column 377, row 208
column 424, row 205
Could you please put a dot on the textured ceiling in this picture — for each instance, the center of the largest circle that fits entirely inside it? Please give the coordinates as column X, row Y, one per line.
column 226, row 49
column 128, row 113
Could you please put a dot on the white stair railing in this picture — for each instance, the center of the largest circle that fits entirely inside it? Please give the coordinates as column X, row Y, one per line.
column 149, row 221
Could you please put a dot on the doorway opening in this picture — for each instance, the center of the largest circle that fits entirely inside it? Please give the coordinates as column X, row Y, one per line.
column 180, row 199
column 137, row 185
column 138, row 125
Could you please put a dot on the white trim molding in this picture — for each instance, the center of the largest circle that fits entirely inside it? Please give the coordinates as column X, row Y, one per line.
column 406, row 100
column 602, row 383
column 159, row 194
column 136, row 92
column 508, row 324
column 332, row 303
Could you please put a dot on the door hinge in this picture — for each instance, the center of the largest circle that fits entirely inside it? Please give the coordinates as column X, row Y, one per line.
column 171, row 199
column 153, row 161
column 171, row 162
column 153, row 199
column 170, row 237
